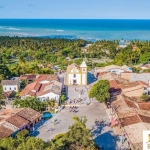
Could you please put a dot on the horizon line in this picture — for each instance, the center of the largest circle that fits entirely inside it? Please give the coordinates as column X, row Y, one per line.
column 84, row 18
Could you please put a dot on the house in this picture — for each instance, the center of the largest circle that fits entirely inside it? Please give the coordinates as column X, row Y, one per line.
column 119, row 85
column 14, row 120
column 45, row 87
column 76, row 75
column 10, row 85
column 28, row 78
column 112, row 68
column 45, row 78
column 132, row 117
column 145, row 77
column 145, row 67
column 5, row 132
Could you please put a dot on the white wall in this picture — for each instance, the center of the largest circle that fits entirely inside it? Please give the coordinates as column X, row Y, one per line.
column 71, row 78
column 44, row 81
column 49, row 96
column 84, row 78
column 116, row 71
column 7, row 88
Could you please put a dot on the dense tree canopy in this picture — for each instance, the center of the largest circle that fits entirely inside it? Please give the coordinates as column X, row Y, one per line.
column 31, row 102
column 21, row 55
column 100, row 91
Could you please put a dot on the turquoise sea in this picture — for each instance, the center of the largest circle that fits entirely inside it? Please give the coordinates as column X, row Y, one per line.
column 89, row 29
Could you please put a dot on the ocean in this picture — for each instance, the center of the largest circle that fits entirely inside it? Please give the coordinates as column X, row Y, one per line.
column 88, row 29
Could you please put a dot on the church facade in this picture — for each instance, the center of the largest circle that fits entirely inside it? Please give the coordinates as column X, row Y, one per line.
column 76, row 75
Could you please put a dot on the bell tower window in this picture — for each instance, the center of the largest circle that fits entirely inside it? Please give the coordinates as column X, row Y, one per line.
column 83, row 70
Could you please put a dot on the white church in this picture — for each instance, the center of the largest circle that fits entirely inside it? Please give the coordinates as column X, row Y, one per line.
column 76, row 75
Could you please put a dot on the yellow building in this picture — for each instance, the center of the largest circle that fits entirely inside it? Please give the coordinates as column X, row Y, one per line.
column 76, row 75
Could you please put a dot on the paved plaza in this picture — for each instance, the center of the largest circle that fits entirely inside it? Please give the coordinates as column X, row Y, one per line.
column 93, row 110
column 102, row 133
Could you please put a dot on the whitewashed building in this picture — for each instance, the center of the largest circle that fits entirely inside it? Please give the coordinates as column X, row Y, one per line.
column 76, row 75
column 45, row 87
column 10, row 85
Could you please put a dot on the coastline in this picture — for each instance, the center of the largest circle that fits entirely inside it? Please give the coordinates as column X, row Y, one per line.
column 87, row 29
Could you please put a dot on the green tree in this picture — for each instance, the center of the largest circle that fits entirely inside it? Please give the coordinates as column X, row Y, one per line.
column 144, row 97
column 63, row 97
column 100, row 91
column 31, row 102
column 22, row 134
column 78, row 137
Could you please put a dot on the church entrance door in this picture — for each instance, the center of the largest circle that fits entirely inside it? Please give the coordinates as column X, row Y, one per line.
column 74, row 82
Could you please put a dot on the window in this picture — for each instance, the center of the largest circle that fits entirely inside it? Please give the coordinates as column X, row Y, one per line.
column 83, row 70
column 145, row 88
column 14, row 88
column 5, row 88
column 74, row 75
column 10, row 88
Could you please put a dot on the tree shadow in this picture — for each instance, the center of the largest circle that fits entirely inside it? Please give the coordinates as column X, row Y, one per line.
column 107, row 140
column 91, row 78
column 36, row 133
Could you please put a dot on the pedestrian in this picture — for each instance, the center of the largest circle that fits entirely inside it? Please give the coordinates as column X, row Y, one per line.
column 96, row 121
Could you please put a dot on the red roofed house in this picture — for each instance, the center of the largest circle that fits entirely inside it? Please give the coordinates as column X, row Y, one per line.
column 14, row 120
column 28, row 78
column 45, row 87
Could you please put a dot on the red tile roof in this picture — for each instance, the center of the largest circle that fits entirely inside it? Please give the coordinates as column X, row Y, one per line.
column 32, row 86
column 17, row 121
column 8, row 94
column 145, row 118
column 131, row 104
column 4, row 132
column 114, row 84
column 130, row 120
column 38, row 89
column 27, row 77
column 48, row 77
column 142, row 83
column 29, row 114
column 144, row 106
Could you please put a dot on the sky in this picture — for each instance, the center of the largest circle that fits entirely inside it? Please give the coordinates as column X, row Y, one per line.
column 75, row 9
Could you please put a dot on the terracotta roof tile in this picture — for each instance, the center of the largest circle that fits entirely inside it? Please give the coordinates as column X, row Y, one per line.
column 29, row 114
column 4, row 132
column 17, row 121
column 114, row 85
column 37, row 86
column 38, row 89
column 142, row 83
column 145, row 118
column 8, row 94
column 28, row 88
column 48, row 77
column 144, row 106
column 27, row 77
column 130, row 120
column 131, row 104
